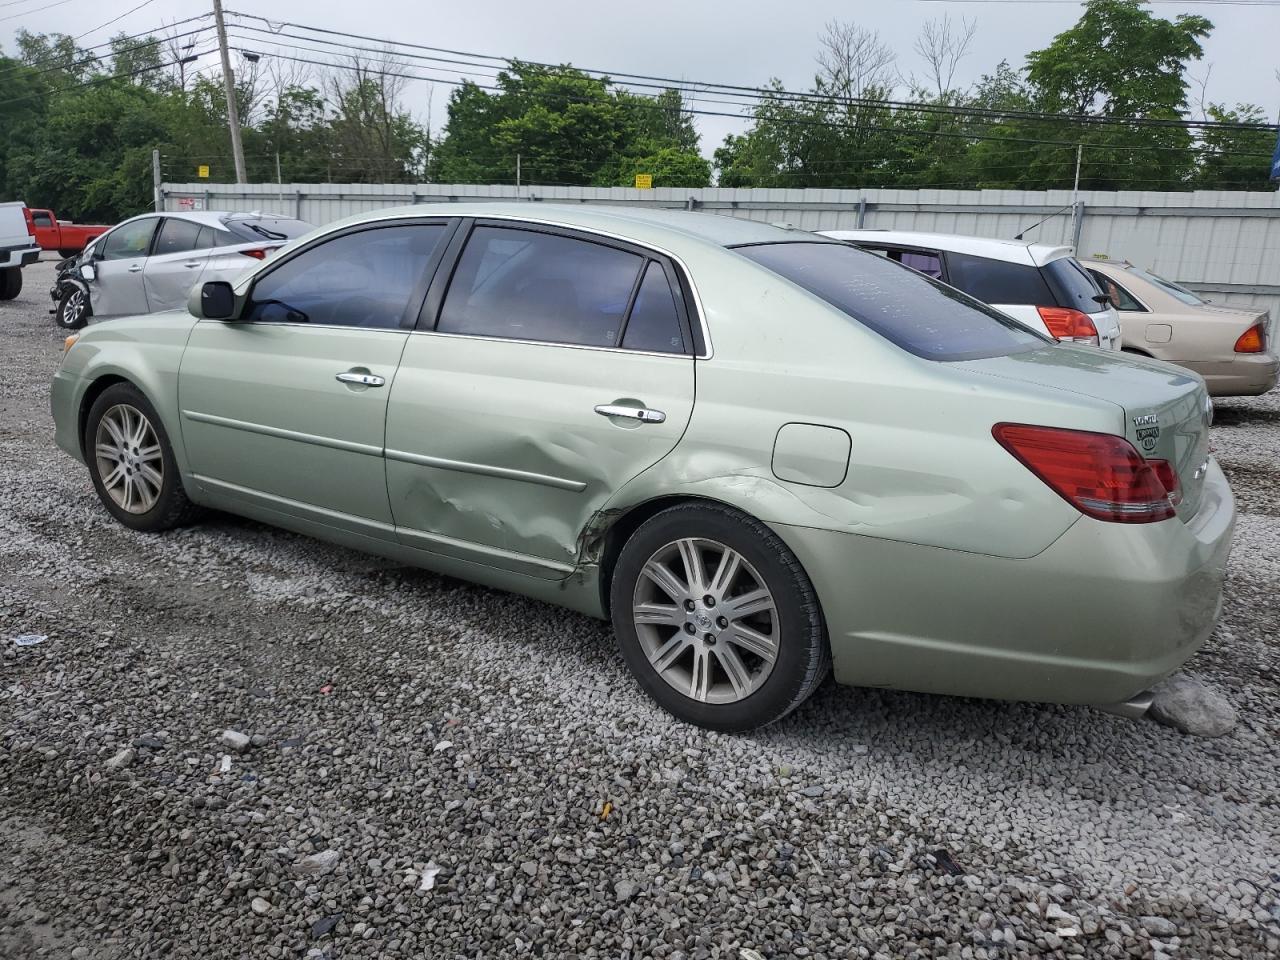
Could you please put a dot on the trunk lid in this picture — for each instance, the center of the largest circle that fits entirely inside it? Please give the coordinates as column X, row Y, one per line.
column 1167, row 410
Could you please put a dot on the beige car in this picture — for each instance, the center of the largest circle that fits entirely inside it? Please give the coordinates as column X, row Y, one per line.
column 1231, row 347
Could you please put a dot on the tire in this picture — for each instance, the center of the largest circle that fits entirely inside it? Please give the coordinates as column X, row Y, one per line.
column 154, row 506
column 73, row 310
column 778, row 659
column 67, row 254
column 10, row 283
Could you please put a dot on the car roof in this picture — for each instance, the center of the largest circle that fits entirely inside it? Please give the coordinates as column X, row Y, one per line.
column 644, row 225
column 1012, row 251
column 211, row 218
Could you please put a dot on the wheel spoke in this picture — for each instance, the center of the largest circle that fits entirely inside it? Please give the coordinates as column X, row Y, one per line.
column 766, row 648
column 114, row 477
column 658, row 614
column 152, row 476
column 128, row 492
column 669, row 652
column 113, row 428
column 663, row 576
column 747, row 604
column 726, row 572
column 734, row 669
column 107, row 451
column 150, row 453
column 694, row 570
column 140, row 431
column 700, row 677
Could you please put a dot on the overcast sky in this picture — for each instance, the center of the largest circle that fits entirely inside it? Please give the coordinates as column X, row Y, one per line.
column 739, row 42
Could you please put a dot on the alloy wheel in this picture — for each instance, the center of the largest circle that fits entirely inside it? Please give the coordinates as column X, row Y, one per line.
column 128, row 457
column 706, row 620
column 73, row 310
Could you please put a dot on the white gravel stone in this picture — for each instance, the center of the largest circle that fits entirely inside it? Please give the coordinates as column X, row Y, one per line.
column 1189, row 705
column 235, row 740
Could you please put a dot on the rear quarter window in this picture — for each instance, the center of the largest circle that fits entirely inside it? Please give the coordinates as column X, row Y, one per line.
column 918, row 314
column 996, row 281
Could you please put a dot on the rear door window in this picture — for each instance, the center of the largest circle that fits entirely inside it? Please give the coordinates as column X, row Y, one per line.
column 41, row 219
column 926, row 261
column 176, row 236
column 1072, row 286
column 997, row 281
column 918, row 314
column 527, row 285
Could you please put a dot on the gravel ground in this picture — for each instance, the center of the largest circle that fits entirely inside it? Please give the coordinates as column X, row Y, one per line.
column 438, row 770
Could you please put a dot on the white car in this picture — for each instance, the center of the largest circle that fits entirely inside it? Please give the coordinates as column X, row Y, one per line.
column 150, row 263
column 1042, row 286
column 18, row 247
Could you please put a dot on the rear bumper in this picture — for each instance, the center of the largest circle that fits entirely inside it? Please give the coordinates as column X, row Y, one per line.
column 1103, row 613
column 19, row 257
column 1245, row 375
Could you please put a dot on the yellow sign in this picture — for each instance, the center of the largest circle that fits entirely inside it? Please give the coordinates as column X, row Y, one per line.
column 202, row 172
column 644, row 181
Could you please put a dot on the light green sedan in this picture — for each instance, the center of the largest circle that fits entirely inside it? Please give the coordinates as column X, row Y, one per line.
column 759, row 452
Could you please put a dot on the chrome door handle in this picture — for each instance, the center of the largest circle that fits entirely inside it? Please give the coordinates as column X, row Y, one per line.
column 632, row 413
column 136, row 268
column 362, row 379
column 191, row 264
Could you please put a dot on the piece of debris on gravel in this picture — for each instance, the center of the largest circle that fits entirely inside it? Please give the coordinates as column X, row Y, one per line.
column 1185, row 703
column 940, row 826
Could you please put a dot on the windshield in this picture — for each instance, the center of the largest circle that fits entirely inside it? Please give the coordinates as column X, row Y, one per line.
column 914, row 312
column 1169, row 287
column 268, row 228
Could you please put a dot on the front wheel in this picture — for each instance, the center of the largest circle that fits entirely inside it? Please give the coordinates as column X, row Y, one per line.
column 717, row 619
column 132, row 462
column 10, row 283
column 73, row 310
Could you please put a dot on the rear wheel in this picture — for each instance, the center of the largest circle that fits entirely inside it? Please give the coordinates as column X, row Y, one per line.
column 73, row 309
column 717, row 619
column 132, row 463
column 10, row 283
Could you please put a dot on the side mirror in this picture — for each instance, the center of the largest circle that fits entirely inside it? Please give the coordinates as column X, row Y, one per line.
column 217, row 301
column 88, row 272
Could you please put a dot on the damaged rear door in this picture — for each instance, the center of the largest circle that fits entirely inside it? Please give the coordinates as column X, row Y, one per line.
column 549, row 368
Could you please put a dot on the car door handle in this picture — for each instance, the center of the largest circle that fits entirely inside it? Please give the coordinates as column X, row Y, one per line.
column 361, row 379
column 192, row 264
column 136, row 268
column 643, row 414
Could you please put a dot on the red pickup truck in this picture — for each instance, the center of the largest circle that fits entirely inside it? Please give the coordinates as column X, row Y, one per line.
column 62, row 235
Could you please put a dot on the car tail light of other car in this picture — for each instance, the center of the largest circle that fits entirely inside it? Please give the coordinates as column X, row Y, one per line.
column 257, row 253
column 31, row 223
column 1253, row 340
column 1069, row 325
column 1101, row 475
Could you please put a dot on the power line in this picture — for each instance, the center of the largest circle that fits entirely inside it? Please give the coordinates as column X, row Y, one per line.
column 15, row 16
column 145, row 3
column 648, row 80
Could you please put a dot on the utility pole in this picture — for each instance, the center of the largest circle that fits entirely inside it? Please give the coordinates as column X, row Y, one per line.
column 155, row 180
column 1075, row 190
column 517, row 175
column 228, row 81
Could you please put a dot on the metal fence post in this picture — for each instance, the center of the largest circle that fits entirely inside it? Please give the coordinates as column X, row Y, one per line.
column 862, row 212
column 1078, row 226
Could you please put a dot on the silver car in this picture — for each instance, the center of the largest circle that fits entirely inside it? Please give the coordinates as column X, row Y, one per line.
column 150, row 263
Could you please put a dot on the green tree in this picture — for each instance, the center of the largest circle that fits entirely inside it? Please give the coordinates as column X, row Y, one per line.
column 1236, row 159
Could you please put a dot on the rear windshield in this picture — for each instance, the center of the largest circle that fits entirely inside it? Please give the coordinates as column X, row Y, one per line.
column 911, row 310
column 1073, row 285
column 996, row 281
column 1169, row 287
column 268, row 228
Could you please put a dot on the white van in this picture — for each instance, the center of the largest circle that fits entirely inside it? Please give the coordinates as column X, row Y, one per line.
column 1042, row 286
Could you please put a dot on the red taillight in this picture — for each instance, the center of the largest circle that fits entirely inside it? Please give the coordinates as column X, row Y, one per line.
column 31, row 223
column 1071, row 325
column 1100, row 475
column 1253, row 340
column 1168, row 478
column 256, row 254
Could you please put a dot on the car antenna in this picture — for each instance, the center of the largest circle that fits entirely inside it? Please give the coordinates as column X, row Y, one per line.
column 1045, row 220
